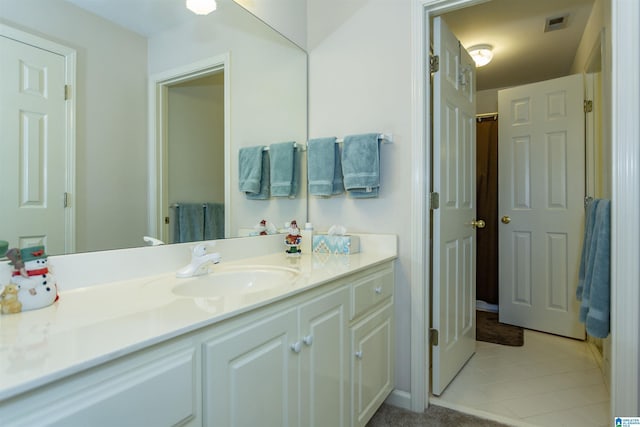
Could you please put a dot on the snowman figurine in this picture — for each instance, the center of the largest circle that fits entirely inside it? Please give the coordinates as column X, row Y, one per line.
column 36, row 285
column 292, row 240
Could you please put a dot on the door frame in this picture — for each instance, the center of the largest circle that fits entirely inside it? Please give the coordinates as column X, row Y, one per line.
column 157, row 144
column 70, row 60
column 625, row 168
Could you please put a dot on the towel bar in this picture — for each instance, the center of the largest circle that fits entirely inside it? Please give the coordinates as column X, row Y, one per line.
column 301, row 147
column 386, row 138
column 177, row 205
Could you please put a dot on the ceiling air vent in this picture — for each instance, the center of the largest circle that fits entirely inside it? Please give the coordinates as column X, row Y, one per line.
column 556, row 23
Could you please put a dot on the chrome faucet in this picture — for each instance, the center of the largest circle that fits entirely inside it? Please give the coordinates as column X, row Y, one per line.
column 200, row 260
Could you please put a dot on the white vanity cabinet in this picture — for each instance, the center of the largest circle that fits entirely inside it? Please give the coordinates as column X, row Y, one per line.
column 156, row 387
column 285, row 369
column 325, row 360
column 372, row 343
column 321, row 357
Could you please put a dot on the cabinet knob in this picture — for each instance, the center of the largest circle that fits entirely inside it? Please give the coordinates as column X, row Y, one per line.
column 296, row 347
column 308, row 340
column 358, row 355
column 378, row 290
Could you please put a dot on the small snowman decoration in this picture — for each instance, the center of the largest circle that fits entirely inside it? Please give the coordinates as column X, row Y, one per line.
column 292, row 239
column 37, row 287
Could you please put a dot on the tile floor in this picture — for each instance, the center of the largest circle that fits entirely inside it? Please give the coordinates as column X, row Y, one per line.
column 550, row 381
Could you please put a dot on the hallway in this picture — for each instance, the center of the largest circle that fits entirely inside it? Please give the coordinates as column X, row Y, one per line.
column 550, row 381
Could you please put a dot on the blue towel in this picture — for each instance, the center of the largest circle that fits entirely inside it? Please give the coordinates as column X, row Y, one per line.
column 324, row 168
column 589, row 224
column 295, row 184
column 361, row 165
column 250, row 169
column 214, row 221
column 283, row 170
column 264, row 192
column 595, row 298
column 189, row 223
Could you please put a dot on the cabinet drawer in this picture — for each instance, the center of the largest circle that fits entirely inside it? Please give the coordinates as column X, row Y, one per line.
column 370, row 291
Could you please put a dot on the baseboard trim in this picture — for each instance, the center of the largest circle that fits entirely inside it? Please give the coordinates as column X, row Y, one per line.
column 399, row 399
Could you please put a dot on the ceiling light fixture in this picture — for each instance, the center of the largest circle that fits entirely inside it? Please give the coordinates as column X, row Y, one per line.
column 481, row 54
column 201, row 7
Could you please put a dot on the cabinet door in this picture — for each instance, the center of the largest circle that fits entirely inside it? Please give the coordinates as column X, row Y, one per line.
column 324, row 361
column 372, row 363
column 251, row 375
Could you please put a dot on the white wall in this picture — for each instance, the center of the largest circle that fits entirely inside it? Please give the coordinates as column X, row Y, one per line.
column 360, row 81
column 289, row 17
column 268, row 93
column 596, row 27
column 111, row 120
column 196, row 141
column 487, row 101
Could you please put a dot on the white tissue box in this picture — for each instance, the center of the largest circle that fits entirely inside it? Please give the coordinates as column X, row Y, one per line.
column 341, row 245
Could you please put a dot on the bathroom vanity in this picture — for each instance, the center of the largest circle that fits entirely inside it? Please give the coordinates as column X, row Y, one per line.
column 317, row 350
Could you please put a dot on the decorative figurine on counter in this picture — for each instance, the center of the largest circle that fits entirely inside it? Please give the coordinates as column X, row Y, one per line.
column 9, row 300
column 262, row 228
column 36, row 286
column 293, row 239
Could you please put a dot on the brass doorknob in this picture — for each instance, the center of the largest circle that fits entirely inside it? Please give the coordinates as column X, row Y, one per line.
column 478, row 223
column 506, row 219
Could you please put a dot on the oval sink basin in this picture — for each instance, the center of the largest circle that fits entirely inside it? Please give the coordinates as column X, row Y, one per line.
column 236, row 280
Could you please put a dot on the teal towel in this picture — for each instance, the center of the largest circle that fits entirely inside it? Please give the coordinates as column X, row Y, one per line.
column 589, row 224
column 264, row 192
column 324, row 168
column 250, row 168
column 595, row 298
column 282, row 157
column 295, row 185
column 213, row 221
column 361, row 165
column 338, row 180
column 189, row 222
column 358, row 194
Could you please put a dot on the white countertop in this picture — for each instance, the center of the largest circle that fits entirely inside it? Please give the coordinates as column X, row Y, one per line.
column 92, row 325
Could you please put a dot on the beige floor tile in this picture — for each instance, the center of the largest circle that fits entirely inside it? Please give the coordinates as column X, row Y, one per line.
column 551, row 380
column 587, row 416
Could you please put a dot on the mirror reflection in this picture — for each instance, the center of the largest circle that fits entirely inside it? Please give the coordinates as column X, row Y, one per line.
column 114, row 164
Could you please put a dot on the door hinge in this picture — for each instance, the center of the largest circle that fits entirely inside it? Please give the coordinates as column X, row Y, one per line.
column 434, row 200
column 433, row 337
column 434, row 63
column 167, row 220
column 67, row 92
column 66, row 200
column 588, row 105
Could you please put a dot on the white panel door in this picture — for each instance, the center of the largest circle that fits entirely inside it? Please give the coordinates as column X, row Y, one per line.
column 542, row 185
column 454, row 242
column 32, row 146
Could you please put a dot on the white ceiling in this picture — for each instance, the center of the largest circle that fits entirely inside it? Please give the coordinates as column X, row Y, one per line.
column 523, row 52
column 145, row 17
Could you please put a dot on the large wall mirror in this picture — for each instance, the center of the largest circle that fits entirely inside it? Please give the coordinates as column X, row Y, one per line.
column 125, row 52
